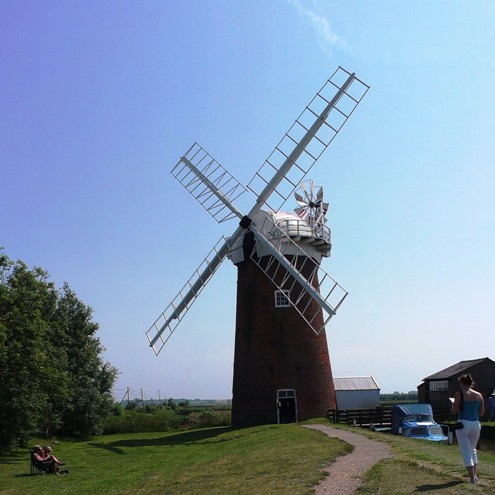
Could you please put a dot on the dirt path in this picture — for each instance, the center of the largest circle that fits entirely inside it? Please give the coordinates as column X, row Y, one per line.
column 345, row 475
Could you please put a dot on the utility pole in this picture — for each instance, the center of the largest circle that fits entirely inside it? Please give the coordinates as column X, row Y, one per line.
column 125, row 395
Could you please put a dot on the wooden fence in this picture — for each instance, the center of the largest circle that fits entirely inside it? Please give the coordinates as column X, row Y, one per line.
column 380, row 416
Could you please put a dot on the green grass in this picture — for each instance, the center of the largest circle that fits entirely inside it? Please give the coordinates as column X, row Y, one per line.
column 265, row 460
column 419, row 466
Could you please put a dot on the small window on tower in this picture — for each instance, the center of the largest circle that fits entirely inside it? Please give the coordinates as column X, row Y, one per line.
column 282, row 299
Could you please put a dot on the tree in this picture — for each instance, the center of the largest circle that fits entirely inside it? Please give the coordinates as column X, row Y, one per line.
column 29, row 370
column 51, row 374
column 90, row 379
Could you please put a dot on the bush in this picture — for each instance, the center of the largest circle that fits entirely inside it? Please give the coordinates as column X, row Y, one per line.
column 135, row 421
column 159, row 418
column 117, row 409
column 208, row 418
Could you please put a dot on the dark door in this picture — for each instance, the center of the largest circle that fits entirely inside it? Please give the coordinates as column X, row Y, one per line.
column 287, row 410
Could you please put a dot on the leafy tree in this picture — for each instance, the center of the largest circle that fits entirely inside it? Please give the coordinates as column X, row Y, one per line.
column 91, row 380
column 30, row 374
column 51, row 373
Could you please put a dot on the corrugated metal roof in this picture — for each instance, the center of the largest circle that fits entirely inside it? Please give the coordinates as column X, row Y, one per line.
column 455, row 369
column 355, row 383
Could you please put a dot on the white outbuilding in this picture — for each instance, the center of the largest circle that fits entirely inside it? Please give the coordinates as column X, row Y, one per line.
column 357, row 392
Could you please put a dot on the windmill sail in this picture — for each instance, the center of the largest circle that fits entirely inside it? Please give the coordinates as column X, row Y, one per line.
column 216, row 190
column 309, row 137
column 299, row 275
column 165, row 325
column 208, row 182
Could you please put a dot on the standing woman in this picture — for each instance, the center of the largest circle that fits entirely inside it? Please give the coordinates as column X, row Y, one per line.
column 468, row 406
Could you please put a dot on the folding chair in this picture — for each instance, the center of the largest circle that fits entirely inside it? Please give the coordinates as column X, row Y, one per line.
column 37, row 466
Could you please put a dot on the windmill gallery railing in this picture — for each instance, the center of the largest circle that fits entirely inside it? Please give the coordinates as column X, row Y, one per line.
column 302, row 229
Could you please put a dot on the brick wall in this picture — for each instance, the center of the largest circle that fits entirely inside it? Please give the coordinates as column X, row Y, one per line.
column 275, row 349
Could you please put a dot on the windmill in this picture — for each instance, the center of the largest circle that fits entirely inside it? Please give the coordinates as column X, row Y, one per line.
column 282, row 369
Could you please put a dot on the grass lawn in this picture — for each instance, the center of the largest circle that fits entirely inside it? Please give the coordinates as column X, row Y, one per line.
column 261, row 460
column 420, row 466
column 265, row 460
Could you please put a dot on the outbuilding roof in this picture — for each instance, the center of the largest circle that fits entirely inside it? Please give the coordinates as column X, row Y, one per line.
column 455, row 369
column 355, row 383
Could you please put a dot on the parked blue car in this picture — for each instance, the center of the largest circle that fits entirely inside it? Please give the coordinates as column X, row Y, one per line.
column 416, row 421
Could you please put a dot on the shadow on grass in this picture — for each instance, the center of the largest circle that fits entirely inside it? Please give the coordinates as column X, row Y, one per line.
column 183, row 438
column 440, row 486
column 15, row 459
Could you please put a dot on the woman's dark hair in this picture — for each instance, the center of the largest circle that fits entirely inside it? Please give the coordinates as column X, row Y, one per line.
column 466, row 379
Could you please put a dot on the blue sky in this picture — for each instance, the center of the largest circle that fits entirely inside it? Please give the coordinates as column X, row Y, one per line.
column 98, row 100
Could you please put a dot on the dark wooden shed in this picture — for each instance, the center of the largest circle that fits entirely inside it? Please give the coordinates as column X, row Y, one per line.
column 437, row 388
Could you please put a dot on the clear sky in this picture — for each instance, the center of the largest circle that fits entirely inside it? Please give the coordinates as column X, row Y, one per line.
column 98, row 100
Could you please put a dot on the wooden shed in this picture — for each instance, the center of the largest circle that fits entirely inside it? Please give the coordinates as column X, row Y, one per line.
column 437, row 388
column 357, row 392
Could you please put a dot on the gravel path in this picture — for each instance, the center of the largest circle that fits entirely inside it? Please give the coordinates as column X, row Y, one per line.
column 345, row 475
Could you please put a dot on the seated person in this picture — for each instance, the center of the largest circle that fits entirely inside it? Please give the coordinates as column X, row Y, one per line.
column 41, row 461
column 48, row 455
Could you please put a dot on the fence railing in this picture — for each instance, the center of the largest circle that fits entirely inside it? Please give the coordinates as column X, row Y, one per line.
column 382, row 417
column 379, row 416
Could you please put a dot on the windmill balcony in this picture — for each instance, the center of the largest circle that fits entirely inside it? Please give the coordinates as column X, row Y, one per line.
column 302, row 231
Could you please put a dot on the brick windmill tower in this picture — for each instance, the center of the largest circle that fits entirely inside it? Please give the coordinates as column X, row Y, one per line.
column 282, row 370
